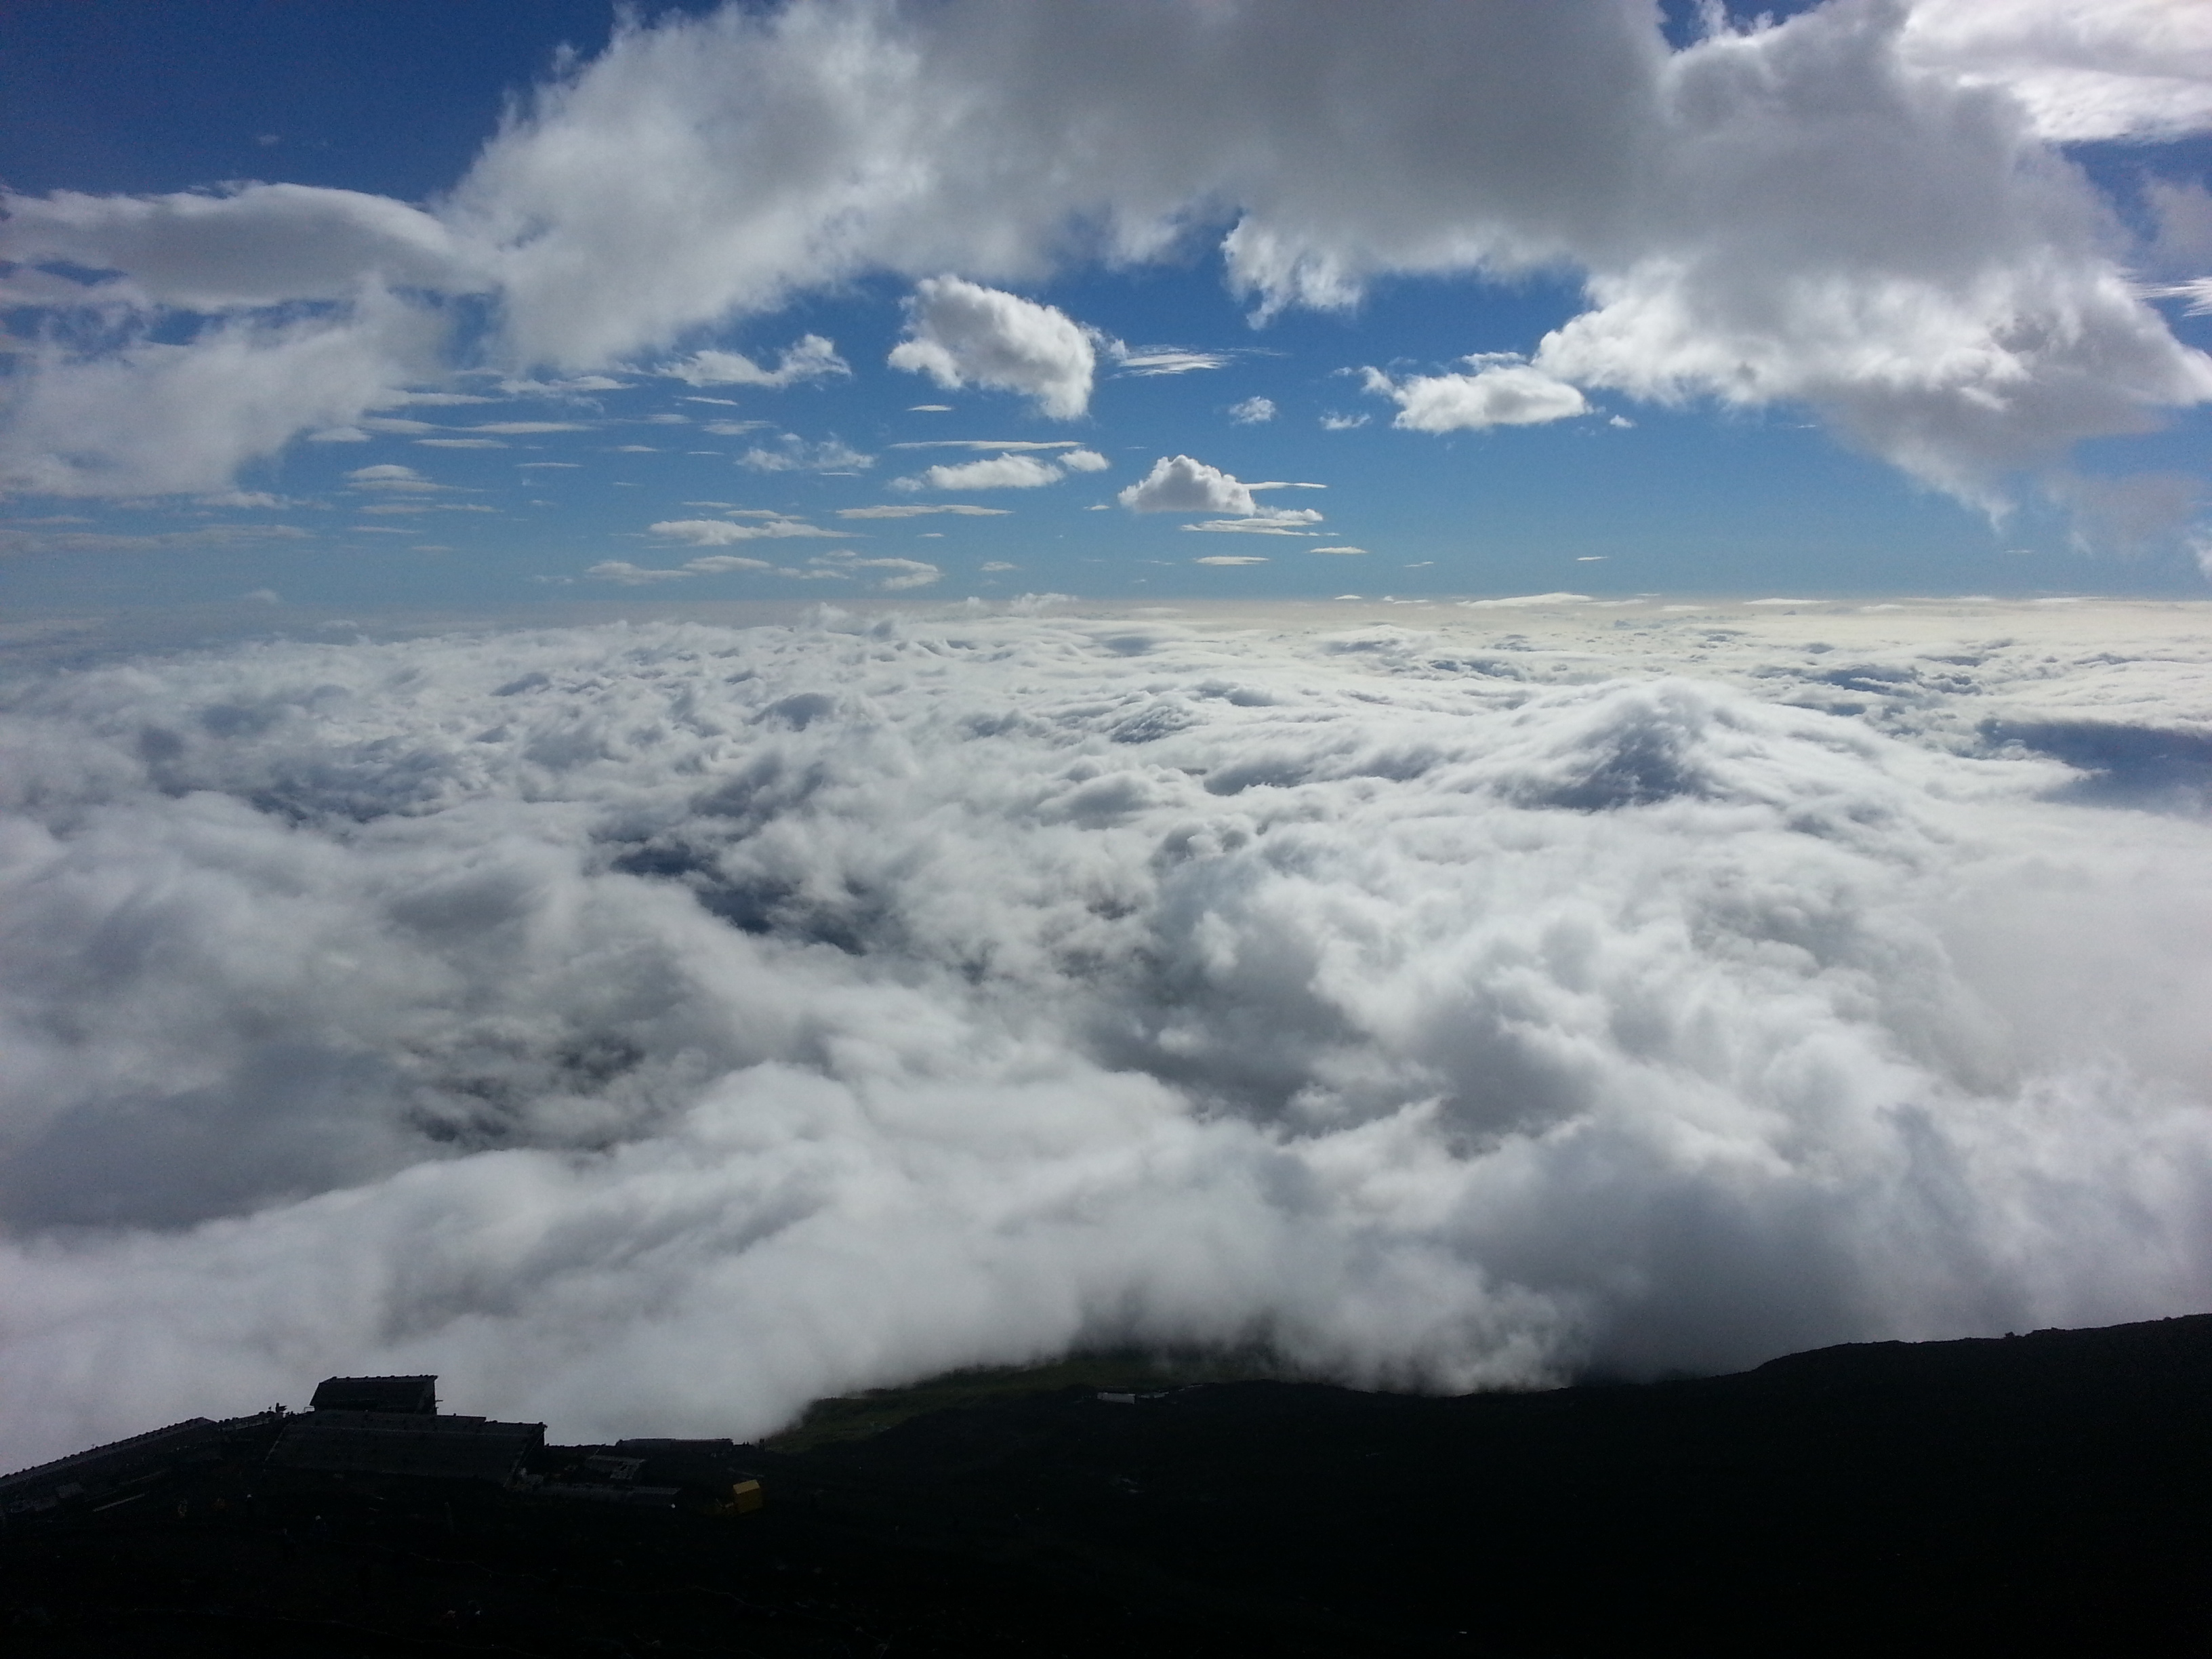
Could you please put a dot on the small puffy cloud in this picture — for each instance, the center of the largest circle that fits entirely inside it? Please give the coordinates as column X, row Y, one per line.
column 734, row 428
column 1253, row 412
column 1500, row 392
column 996, row 472
column 1342, row 422
column 929, row 409
column 997, row 565
column 1231, row 559
column 962, row 334
column 811, row 358
column 1178, row 483
column 1084, row 460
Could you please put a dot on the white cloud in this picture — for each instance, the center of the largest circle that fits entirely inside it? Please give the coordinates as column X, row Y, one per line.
column 1231, row 559
column 2085, row 69
column 1852, row 210
column 1337, row 550
column 716, row 564
column 245, row 246
column 1084, row 460
column 528, row 429
column 794, row 454
column 1267, row 521
column 1253, row 412
column 155, row 417
column 960, row 334
column 811, row 358
column 651, row 1028
column 1143, row 361
column 995, row 472
column 631, row 575
column 388, row 475
column 460, row 443
column 1520, row 601
column 1342, row 422
column 572, row 387
column 1497, row 394
column 916, row 509
column 720, row 532
column 1177, row 484
column 1006, row 445
column 902, row 574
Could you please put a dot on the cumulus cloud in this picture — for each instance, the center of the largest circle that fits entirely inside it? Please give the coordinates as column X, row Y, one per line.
column 997, row 472
column 961, row 334
column 653, row 1028
column 1178, row 483
column 811, row 358
column 1011, row 471
column 1253, row 412
column 1858, row 210
column 1500, row 392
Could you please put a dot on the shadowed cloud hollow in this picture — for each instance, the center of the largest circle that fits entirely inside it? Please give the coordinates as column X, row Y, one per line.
column 660, row 1026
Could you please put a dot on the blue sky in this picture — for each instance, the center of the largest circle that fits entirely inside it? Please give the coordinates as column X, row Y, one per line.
column 1762, row 356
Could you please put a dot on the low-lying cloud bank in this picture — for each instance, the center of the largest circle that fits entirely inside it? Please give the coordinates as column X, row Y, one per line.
column 653, row 1028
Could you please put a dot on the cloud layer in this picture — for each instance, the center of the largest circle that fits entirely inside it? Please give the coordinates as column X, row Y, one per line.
column 1857, row 210
column 653, row 1027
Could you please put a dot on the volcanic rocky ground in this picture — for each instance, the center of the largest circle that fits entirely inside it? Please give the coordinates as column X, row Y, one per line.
column 2039, row 1493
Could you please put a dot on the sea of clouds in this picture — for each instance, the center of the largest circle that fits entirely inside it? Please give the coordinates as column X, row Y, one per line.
column 652, row 1027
